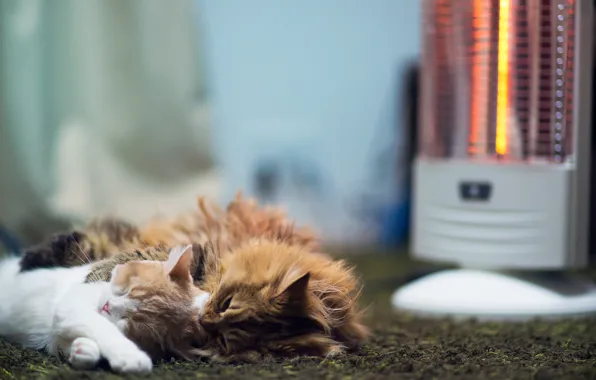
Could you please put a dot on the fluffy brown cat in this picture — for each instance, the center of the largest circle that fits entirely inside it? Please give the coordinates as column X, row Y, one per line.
column 270, row 298
column 256, row 246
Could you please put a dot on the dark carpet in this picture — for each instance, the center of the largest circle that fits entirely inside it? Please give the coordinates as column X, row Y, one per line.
column 403, row 347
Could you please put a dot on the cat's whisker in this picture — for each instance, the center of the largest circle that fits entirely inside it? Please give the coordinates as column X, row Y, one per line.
column 83, row 258
column 86, row 259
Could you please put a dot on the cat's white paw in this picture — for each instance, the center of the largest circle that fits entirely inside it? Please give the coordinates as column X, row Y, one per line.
column 129, row 359
column 84, row 354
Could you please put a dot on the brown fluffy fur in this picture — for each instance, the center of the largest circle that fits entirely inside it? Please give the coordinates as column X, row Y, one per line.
column 236, row 249
column 165, row 323
column 270, row 298
column 242, row 220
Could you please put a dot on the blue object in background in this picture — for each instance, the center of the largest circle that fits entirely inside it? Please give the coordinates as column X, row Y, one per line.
column 9, row 241
column 316, row 83
column 395, row 226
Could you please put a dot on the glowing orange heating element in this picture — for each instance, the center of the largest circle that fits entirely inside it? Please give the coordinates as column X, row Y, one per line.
column 478, row 112
column 474, row 127
column 503, row 78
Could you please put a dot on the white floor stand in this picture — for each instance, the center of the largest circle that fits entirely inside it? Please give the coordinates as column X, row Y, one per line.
column 490, row 295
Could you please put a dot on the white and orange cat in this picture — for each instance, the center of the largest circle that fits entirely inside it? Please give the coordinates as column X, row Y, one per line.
column 54, row 310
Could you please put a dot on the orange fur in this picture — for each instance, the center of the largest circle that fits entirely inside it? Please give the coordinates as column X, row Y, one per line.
column 273, row 298
column 242, row 220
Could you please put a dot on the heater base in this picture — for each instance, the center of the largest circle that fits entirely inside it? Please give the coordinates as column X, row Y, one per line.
column 491, row 295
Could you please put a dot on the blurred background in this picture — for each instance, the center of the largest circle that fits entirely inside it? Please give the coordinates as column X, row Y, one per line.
column 133, row 108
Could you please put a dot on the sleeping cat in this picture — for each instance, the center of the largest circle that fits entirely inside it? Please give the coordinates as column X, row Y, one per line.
column 150, row 303
column 259, row 245
column 270, row 298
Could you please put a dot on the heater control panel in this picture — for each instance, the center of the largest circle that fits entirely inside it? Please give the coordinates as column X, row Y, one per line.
column 475, row 191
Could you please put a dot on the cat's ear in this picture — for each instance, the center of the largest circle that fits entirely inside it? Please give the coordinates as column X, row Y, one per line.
column 179, row 260
column 294, row 291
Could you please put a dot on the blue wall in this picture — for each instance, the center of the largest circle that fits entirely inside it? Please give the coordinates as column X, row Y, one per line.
column 316, row 85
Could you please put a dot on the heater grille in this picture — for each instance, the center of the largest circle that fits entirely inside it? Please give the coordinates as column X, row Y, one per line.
column 498, row 79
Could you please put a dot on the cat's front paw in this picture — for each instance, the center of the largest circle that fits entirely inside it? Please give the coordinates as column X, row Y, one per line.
column 129, row 359
column 84, row 354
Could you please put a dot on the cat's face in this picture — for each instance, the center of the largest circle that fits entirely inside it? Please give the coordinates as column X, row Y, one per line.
column 156, row 304
column 261, row 296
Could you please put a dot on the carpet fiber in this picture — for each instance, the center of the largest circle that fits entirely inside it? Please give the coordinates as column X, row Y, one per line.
column 403, row 347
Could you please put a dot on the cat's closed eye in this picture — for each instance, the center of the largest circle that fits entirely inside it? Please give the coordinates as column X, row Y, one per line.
column 225, row 304
column 119, row 291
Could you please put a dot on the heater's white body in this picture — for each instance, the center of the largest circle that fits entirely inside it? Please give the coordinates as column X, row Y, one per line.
column 527, row 219
column 502, row 175
column 509, row 226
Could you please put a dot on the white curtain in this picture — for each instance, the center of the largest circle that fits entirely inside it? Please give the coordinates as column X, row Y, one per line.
column 103, row 110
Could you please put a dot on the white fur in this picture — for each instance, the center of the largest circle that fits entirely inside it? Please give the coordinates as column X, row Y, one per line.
column 200, row 301
column 52, row 309
column 84, row 353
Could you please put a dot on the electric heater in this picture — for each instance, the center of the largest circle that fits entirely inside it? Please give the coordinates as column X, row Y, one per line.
column 502, row 173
